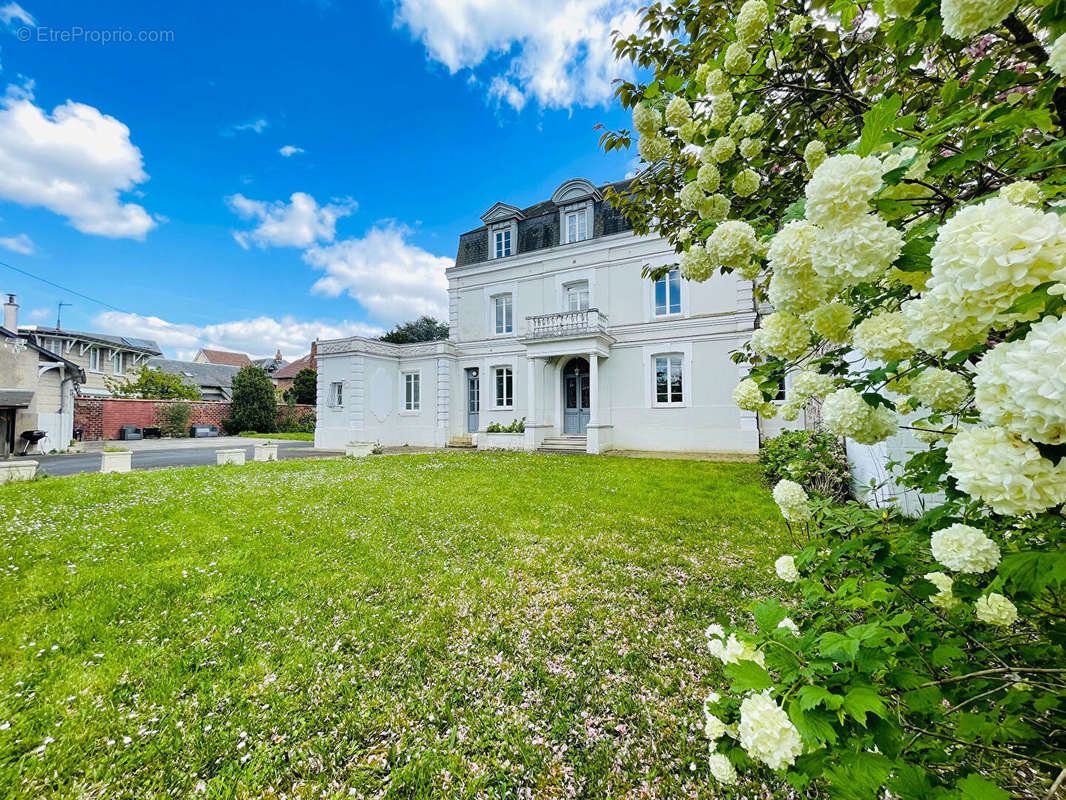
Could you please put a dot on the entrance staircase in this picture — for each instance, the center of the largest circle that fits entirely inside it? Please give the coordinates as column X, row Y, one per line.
column 464, row 442
column 570, row 444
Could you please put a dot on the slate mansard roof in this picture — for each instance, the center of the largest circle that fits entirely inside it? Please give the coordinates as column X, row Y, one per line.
column 539, row 224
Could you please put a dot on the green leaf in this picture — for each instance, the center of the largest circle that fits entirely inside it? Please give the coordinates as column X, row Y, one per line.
column 914, row 257
column 747, row 675
column 768, row 614
column 974, row 787
column 838, row 647
column 1032, row 301
column 812, row 696
column 815, row 726
column 863, row 700
column 876, row 121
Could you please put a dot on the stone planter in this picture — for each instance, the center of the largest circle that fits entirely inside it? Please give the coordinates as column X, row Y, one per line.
column 359, row 449
column 17, row 471
column 117, row 461
column 501, row 441
column 234, row 456
column 267, row 451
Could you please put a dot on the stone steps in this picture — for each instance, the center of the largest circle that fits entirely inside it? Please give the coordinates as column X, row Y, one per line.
column 563, row 444
column 462, row 443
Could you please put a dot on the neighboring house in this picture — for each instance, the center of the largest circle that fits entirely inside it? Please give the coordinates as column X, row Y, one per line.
column 37, row 389
column 550, row 319
column 100, row 355
column 222, row 357
column 283, row 377
column 215, row 381
column 270, row 365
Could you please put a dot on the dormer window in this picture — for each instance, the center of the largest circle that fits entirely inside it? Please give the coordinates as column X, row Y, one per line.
column 502, row 243
column 576, row 226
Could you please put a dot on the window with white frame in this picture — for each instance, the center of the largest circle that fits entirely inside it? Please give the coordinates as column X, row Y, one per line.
column 502, row 243
column 335, row 398
column 94, row 359
column 118, row 362
column 575, row 225
column 412, row 391
column 503, row 313
column 504, row 383
column 668, row 294
column 577, row 296
column 668, row 384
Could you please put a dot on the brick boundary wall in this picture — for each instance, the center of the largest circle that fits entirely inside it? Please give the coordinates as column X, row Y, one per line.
column 101, row 417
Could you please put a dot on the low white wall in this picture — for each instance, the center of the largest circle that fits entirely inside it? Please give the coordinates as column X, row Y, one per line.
column 501, row 441
column 17, row 471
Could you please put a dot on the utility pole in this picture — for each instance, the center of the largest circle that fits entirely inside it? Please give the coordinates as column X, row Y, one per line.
column 59, row 315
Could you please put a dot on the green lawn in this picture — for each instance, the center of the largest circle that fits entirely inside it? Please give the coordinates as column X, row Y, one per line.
column 300, row 437
column 445, row 625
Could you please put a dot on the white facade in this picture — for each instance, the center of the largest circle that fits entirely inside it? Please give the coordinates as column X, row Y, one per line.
column 516, row 349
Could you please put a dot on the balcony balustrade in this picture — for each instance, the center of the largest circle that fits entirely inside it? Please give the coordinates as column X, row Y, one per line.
column 589, row 322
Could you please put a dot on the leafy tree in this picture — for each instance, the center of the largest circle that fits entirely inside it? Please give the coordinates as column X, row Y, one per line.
column 153, row 384
column 890, row 176
column 423, row 329
column 254, row 406
column 305, row 386
column 174, row 419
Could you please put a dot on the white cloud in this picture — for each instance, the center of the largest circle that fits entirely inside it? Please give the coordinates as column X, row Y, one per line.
column 258, row 336
column 391, row 278
column 75, row 162
column 38, row 314
column 556, row 51
column 18, row 244
column 299, row 223
column 255, row 126
column 13, row 12
column 290, row 150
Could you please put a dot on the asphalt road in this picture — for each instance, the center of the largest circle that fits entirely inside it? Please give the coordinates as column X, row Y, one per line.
column 74, row 463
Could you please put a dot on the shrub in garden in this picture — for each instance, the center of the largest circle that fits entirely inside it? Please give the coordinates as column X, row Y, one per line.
column 173, row 419
column 890, row 177
column 816, row 461
column 254, row 406
column 516, row 426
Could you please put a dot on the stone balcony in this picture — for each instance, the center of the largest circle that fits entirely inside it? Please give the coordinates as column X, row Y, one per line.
column 567, row 332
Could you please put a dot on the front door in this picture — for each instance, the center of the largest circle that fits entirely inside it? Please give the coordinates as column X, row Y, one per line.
column 576, row 396
column 473, row 399
column 7, row 432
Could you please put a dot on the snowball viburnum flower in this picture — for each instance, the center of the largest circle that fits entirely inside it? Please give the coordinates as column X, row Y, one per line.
column 995, row 609
column 789, row 625
column 832, row 321
column 717, row 82
column 783, row 335
column 785, row 567
column 746, row 183
column 722, row 149
column 808, row 383
column 882, row 336
column 940, row 389
column 690, row 196
column 713, row 728
column 737, row 59
column 792, row 500
column 678, row 111
column 733, row 651
column 654, row 147
column 697, row 264
column 856, row 249
column 965, row 18
column 814, row 154
column 733, row 243
column 748, row 395
column 752, row 21
column 1024, row 193
column 943, row 598
column 646, row 120
column 722, row 769
column 963, row 548
column 766, row 732
column 1006, row 472
column 708, row 178
column 1056, row 57
column 841, row 188
column 845, row 413
column 1021, row 385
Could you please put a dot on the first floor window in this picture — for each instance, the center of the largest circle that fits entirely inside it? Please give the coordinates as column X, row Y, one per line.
column 412, row 400
column 504, row 387
column 577, row 296
column 668, row 294
column 336, row 394
column 668, row 389
column 119, row 363
column 503, row 243
column 504, row 313
column 94, row 359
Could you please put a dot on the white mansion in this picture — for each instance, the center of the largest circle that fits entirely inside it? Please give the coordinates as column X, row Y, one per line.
column 551, row 320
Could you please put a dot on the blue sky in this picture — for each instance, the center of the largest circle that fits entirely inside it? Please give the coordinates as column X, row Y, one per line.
column 151, row 174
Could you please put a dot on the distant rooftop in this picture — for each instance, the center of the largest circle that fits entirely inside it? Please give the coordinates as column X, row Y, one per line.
column 147, row 346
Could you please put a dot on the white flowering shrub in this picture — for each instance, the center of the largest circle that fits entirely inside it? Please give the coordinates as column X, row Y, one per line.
column 892, row 178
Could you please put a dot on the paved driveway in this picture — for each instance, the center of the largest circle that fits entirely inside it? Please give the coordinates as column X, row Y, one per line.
column 178, row 456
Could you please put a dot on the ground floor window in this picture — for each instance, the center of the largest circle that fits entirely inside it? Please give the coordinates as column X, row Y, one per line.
column 412, row 399
column 668, row 384
column 336, row 394
column 504, row 387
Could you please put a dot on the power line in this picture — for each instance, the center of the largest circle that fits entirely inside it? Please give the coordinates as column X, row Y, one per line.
column 63, row 288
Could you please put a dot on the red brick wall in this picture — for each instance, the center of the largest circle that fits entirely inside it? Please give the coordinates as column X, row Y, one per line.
column 100, row 417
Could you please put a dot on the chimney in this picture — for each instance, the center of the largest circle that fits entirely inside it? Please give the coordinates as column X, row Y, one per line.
column 277, row 356
column 11, row 314
column 314, row 354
